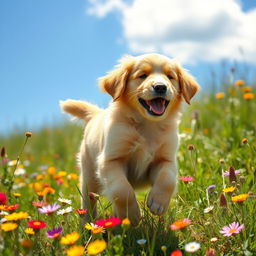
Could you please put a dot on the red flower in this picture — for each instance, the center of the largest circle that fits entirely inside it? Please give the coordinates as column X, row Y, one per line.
column 110, row 222
column 36, row 224
column 186, row 178
column 178, row 224
column 3, row 198
column 11, row 207
column 81, row 211
column 176, row 253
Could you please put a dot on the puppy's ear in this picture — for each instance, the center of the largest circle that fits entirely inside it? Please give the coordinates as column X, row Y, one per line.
column 114, row 83
column 188, row 84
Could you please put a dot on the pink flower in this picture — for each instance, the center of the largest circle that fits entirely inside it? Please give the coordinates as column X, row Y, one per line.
column 48, row 209
column 54, row 233
column 3, row 198
column 186, row 178
column 237, row 172
column 110, row 222
column 231, row 229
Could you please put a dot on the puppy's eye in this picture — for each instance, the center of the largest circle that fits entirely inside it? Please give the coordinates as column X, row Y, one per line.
column 170, row 77
column 143, row 76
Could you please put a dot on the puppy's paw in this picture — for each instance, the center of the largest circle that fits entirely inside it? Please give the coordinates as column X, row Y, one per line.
column 158, row 202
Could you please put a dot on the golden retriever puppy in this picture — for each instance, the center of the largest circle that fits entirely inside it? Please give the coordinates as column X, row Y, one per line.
column 133, row 143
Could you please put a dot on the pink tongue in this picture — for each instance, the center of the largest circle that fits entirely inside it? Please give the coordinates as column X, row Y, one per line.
column 157, row 106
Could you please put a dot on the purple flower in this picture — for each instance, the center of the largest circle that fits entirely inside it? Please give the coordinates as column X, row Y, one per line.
column 54, row 233
column 48, row 209
column 231, row 229
column 237, row 172
column 211, row 188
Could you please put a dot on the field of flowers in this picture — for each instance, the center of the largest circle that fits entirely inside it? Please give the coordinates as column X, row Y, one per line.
column 213, row 212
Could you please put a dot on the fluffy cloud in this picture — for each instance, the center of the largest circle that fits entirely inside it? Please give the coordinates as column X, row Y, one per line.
column 188, row 30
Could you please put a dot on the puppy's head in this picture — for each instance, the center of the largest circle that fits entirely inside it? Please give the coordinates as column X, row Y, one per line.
column 152, row 84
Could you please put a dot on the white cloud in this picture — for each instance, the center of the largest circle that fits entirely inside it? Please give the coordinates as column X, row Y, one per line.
column 187, row 30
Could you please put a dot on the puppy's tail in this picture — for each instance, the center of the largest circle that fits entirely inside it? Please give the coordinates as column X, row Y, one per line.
column 80, row 109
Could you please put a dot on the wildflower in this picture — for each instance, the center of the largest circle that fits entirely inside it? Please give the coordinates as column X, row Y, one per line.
column 233, row 228
column 65, row 211
column 229, row 189
column 110, row 222
column 9, row 226
column 214, row 239
column 223, row 201
column 76, row 250
column 186, row 178
column 126, row 222
column 26, row 243
column 95, row 229
column 220, row 95
column 29, row 231
column 176, row 253
column 20, row 172
column 9, row 207
column 54, row 233
column 64, row 201
column 48, row 209
column 232, row 175
column 192, row 247
column 48, row 190
column 208, row 209
column 244, row 141
column 248, row 96
column 16, row 194
column 163, row 248
column 3, row 213
column 251, row 195
column 51, row 170
column 81, row 211
column 191, row 147
column 96, row 247
column 247, row 89
column 211, row 188
column 70, row 238
column 239, row 82
column 141, row 242
column 227, row 173
column 3, row 198
column 93, row 196
column 12, row 163
column 239, row 198
column 36, row 224
column 39, row 204
column 17, row 216
column 72, row 176
column 210, row 252
column 28, row 134
column 180, row 224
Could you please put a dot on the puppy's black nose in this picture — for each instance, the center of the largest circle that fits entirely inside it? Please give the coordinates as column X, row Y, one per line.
column 160, row 88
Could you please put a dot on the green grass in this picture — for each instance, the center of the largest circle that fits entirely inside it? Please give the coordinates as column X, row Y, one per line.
column 215, row 128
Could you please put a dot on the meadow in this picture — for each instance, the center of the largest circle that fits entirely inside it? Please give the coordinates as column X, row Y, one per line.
column 213, row 212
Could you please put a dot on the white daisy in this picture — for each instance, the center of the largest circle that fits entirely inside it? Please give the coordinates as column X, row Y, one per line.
column 65, row 211
column 192, row 247
column 20, row 172
column 214, row 239
column 208, row 209
column 64, row 201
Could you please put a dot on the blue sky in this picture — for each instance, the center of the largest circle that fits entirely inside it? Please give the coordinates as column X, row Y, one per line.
column 56, row 49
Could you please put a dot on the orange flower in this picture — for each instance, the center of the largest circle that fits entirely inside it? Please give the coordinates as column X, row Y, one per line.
column 239, row 198
column 248, row 96
column 180, row 224
column 220, row 95
column 247, row 89
column 70, row 238
column 239, row 82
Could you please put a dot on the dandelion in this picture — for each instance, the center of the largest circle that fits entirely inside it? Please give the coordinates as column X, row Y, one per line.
column 248, row 96
column 48, row 209
column 17, row 216
column 220, row 95
column 208, row 209
column 229, row 189
column 65, row 211
column 179, row 224
column 9, row 226
column 54, row 233
column 110, row 222
column 29, row 231
column 239, row 198
column 81, row 211
column 186, row 178
column 192, row 247
column 36, row 224
column 70, row 238
column 64, row 201
column 96, row 247
column 233, row 228
column 176, row 253
column 76, row 250
column 95, row 229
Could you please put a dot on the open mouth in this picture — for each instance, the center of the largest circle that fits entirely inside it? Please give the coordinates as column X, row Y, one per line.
column 156, row 106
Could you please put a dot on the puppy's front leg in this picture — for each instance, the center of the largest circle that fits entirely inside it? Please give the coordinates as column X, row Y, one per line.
column 163, row 178
column 117, row 188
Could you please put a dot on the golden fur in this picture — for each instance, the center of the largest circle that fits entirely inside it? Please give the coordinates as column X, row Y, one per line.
column 126, row 146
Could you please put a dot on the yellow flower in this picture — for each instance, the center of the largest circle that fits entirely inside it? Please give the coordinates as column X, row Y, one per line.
column 9, row 226
column 220, row 95
column 247, row 89
column 229, row 189
column 51, row 170
column 95, row 229
column 248, row 96
column 76, row 250
column 96, row 247
column 239, row 82
column 72, row 176
column 126, row 222
column 239, row 198
column 17, row 216
column 62, row 173
column 39, row 177
column 29, row 231
column 244, row 141
column 70, row 238
column 17, row 194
